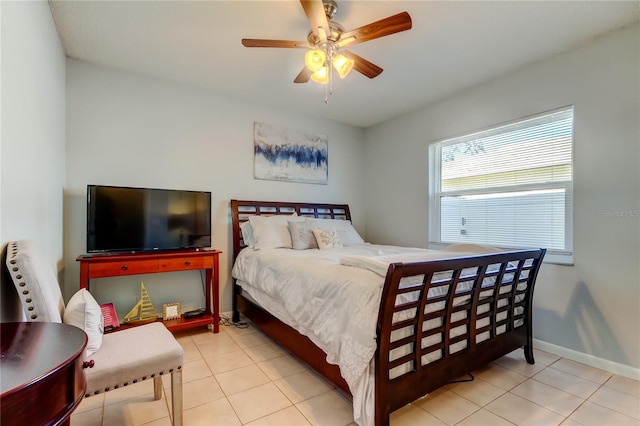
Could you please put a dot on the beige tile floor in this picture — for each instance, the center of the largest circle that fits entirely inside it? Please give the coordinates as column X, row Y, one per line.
column 241, row 377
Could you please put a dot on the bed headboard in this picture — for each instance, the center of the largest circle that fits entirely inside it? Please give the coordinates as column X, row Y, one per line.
column 242, row 209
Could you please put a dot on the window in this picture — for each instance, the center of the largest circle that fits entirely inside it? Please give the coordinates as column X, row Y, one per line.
column 509, row 186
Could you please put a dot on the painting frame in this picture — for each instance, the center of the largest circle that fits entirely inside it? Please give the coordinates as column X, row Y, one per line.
column 290, row 155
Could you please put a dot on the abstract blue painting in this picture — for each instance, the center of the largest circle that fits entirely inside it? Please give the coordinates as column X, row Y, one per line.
column 289, row 155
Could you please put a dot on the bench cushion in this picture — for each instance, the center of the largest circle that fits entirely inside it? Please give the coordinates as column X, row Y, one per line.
column 132, row 355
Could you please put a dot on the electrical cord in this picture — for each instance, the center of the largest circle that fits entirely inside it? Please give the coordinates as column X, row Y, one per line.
column 227, row 322
column 223, row 319
column 470, row 379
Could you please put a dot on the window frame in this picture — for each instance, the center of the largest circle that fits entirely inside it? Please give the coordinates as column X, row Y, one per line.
column 563, row 257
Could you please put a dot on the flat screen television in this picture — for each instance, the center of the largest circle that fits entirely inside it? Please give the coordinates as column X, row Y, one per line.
column 123, row 219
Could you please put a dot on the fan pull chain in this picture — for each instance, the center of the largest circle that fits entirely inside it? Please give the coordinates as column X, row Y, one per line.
column 331, row 77
column 328, row 90
column 326, row 93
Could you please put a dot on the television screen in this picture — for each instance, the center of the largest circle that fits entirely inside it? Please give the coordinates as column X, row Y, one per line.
column 121, row 219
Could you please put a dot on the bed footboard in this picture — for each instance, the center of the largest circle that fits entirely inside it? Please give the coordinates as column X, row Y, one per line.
column 439, row 320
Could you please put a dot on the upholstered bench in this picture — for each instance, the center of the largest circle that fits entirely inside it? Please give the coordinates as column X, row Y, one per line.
column 120, row 358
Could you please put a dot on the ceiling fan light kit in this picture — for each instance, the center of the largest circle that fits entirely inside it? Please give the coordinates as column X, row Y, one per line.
column 326, row 42
column 343, row 65
column 315, row 59
column 321, row 76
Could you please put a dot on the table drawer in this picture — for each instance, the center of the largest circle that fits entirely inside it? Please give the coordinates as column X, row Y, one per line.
column 186, row 263
column 114, row 269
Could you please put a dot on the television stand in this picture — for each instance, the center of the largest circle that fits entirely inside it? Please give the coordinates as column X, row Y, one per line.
column 116, row 265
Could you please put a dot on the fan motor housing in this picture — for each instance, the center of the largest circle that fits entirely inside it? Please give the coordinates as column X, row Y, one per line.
column 336, row 30
column 333, row 36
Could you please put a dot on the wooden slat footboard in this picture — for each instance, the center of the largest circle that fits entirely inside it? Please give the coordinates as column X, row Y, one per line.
column 438, row 320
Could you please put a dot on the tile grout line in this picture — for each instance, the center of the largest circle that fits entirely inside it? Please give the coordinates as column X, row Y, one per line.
column 272, row 381
column 280, row 390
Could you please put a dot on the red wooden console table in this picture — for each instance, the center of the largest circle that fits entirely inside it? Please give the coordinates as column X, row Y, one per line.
column 115, row 265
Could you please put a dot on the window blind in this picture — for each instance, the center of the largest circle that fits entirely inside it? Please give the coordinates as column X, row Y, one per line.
column 507, row 186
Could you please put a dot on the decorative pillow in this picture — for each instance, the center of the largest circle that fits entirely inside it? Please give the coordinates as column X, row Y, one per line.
column 272, row 231
column 35, row 282
column 247, row 234
column 302, row 237
column 347, row 233
column 327, row 239
column 83, row 312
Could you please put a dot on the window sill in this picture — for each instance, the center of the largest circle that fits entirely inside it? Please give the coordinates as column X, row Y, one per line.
column 552, row 257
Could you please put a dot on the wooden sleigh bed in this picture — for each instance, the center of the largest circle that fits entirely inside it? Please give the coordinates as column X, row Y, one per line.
column 496, row 307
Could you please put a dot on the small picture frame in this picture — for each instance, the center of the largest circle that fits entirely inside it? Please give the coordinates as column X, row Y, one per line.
column 170, row 311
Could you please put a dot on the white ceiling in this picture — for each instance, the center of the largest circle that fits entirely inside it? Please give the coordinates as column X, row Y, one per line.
column 453, row 45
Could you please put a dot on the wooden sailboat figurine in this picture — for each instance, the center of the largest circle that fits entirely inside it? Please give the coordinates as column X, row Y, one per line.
column 143, row 311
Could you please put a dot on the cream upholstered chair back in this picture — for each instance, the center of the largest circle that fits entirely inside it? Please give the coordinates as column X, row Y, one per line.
column 35, row 282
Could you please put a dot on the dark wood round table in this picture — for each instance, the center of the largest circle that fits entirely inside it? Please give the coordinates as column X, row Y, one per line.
column 41, row 376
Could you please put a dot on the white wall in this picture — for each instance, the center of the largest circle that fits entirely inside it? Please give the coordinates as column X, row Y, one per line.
column 33, row 128
column 591, row 309
column 127, row 129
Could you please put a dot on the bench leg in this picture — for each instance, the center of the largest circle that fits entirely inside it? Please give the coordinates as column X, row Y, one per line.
column 176, row 397
column 157, row 387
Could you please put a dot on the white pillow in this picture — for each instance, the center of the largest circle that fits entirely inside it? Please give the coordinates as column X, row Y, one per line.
column 272, row 231
column 83, row 312
column 327, row 239
column 247, row 234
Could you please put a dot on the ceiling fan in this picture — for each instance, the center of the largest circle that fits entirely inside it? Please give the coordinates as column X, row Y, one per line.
column 327, row 40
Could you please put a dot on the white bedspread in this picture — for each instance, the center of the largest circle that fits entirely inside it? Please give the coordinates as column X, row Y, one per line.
column 333, row 304
column 380, row 263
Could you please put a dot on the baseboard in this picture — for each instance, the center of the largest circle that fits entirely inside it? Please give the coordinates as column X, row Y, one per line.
column 590, row 360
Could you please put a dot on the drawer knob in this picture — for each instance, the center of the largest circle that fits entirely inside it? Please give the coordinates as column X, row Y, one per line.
column 187, row 263
column 124, row 267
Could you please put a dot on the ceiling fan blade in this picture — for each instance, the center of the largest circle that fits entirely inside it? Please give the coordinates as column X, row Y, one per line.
column 304, row 75
column 257, row 42
column 384, row 27
column 363, row 66
column 314, row 9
